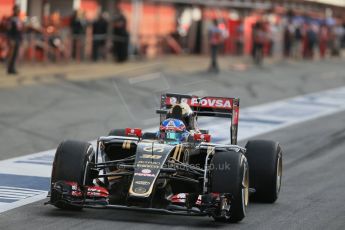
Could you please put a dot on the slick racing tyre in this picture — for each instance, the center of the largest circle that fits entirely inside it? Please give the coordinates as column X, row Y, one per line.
column 265, row 161
column 117, row 132
column 149, row 136
column 229, row 174
column 71, row 163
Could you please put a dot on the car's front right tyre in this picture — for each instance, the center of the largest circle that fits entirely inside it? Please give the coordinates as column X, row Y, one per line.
column 71, row 164
column 265, row 160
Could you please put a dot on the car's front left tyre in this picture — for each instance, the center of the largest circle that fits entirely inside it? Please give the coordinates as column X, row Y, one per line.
column 230, row 175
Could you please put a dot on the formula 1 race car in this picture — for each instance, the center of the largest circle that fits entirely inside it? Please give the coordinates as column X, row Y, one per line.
column 176, row 170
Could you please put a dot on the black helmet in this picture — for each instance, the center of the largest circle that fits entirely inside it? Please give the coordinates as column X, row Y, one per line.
column 184, row 113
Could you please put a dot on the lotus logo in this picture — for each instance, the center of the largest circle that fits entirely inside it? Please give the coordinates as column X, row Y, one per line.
column 146, row 171
column 140, row 190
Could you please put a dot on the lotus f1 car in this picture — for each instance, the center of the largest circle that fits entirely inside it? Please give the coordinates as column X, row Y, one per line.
column 176, row 170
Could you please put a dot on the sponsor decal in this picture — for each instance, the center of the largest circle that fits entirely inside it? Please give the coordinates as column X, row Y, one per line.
column 212, row 102
column 149, row 162
column 171, row 124
column 202, row 137
column 144, row 174
column 140, row 190
column 151, row 156
column 96, row 191
column 146, row 171
column 133, row 132
column 157, row 149
column 152, row 166
column 172, row 100
column 208, row 102
column 142, row 182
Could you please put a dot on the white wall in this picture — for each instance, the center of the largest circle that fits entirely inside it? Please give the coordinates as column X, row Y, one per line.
column 35, row 8
column 64, row 7
column 23, row 4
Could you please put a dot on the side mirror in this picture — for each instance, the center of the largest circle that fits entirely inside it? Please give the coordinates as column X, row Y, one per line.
column 203, row 131
column 133, row 132
column 202, row 137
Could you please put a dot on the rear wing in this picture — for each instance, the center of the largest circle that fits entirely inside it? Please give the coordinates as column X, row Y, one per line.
column 222, row 107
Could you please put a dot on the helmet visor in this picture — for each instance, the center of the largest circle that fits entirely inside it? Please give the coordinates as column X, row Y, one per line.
column 173, row 135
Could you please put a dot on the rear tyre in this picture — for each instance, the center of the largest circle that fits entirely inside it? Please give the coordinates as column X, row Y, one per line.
column 265, row 160
column 117, row 132
column 71, row 163
column 149, row 136
column 230, row 175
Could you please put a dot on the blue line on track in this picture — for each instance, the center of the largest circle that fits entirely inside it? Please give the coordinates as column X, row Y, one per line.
column 31, row 182
column 256, row 120
column 8, row 201
column 313, row 103
column 34, row 162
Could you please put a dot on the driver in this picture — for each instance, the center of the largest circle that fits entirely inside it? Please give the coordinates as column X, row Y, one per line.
column 184, row 113
column 173, row 131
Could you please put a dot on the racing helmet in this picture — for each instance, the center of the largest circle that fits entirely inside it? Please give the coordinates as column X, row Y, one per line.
column 184, row 113
column 172, row 130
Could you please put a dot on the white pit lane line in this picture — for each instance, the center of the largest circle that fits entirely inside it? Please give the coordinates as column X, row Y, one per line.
column 26, row 179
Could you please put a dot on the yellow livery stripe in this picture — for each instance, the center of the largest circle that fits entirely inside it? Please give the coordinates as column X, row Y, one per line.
column 177, row 148
column 179, row 153
column 126, row 144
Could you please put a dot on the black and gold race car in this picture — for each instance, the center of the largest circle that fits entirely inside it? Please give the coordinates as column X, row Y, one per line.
column 177, row 170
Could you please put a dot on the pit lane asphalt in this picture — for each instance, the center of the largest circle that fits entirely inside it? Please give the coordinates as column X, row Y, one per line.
column 36, row 118
column 313, row 182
